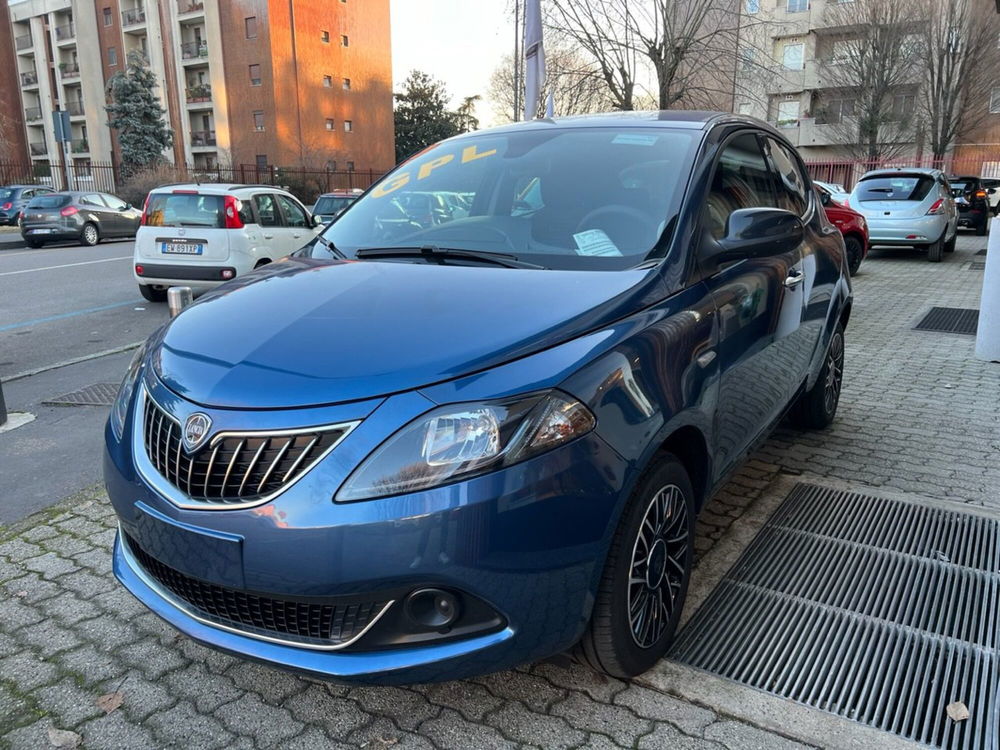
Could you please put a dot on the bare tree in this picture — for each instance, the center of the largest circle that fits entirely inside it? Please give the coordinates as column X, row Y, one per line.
column 874, row 65
column 576, row 85
column 961, row 68
column 603, row 31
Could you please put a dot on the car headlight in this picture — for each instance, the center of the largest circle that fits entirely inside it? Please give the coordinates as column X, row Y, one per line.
column 462, row 440
column 120, row 407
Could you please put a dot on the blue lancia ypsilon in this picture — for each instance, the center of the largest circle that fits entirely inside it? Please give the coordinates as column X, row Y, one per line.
column 473, row 424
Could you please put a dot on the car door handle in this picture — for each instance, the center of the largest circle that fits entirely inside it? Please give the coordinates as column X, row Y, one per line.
column 794, row 279
column 268, row 236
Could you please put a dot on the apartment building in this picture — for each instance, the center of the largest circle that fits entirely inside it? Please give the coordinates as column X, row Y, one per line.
column 787, row 74
column 257, row 82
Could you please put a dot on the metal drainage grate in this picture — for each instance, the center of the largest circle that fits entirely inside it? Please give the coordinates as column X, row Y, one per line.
column 881, row 611
column 981, row 252
column 98, row 394
column 977, row 265
column 950, row 320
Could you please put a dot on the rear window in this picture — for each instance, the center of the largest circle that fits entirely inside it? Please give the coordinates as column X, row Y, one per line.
column 897, row 187
column 53, row 200
column 185, row 210
column 331, row 205
column 6, row 194
column 958, row 189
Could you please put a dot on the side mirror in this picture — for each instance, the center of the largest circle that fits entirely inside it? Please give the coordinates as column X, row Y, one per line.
column 759, row 233
column 316, row 221
column 824, row 198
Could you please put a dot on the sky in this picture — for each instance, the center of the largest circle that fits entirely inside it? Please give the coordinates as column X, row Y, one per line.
column 459, row 42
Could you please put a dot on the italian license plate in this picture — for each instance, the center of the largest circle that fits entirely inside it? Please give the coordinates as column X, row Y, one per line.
column 182, row 248
column 40, row 231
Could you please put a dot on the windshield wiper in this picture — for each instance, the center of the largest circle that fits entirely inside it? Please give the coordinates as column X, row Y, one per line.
column 330, row 246
column 432, row 252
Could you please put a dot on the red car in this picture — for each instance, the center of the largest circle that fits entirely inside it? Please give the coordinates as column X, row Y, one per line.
column 851, row 224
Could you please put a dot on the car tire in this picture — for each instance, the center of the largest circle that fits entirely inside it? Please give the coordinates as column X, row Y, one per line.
column 816, row 408
column 936, row 249
column 152, row 294
column 855, row 253
column 983, row 227
column 89, row 236
column 614, row 642
column 33, row 244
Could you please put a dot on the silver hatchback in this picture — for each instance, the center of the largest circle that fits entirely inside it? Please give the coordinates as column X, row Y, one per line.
column 908, row 207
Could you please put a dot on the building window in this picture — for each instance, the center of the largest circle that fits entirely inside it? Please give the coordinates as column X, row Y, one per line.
column 798, row 6
column 753, row 6
column 792, row 56
column 255, row 75
column 331, row 166
column 328, row 82
column 747, row 57
column 348, row 126
column 329, row 123
column 258, row 120
column 324, row 36
column 788, row 114
column 902, row 107
column 344, row 41
column 112, row 57
column 251, row 27
column 350, row 166
column 261, row 161
column 745, row 108
column 347, row 84
column 107, row 16
column 837, row 110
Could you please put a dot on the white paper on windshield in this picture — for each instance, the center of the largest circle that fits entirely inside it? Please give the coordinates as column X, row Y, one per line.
column 635, row 139
column 595, row 242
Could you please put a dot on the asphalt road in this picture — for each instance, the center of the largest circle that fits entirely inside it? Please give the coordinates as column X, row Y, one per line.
column 58, row 304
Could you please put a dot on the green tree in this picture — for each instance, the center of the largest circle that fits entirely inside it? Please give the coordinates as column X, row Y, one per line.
column 136, row 114
column 422, row 116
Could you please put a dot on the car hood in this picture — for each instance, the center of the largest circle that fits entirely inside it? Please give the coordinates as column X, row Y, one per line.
column 303, row 332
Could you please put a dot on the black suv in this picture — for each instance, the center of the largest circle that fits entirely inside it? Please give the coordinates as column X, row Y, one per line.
column 972, row 201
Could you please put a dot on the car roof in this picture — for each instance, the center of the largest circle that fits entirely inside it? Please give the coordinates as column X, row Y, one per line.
column 341, row 194
column 213, row 188
column 902, row 170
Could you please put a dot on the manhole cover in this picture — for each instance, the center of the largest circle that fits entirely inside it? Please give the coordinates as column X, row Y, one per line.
column 981, row 252
column 881, row 611
column 98, row 394
column 977, row 265
column 950, row 320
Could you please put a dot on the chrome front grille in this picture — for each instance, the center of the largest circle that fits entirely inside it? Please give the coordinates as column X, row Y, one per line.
column 234, row 468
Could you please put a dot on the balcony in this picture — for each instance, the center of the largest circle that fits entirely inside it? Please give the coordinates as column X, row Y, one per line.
column 199, row 93
column 29, row 79
column 203, row 138
column 65, row 33
column 22, row 42
column 785, row 81
column 33, row 114
column 194, row 50
column 133, row 17
column 69, row 70
column 75, row 109
column 190, row 6
column 37, row 149
column 79, row 146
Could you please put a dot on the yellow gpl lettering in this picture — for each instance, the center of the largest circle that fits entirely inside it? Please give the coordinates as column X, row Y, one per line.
column 433, row 164
column 390, row 185
column 469, row 153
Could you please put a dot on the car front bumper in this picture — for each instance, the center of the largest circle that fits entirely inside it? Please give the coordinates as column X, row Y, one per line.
column 922, row 231
column 529, row 541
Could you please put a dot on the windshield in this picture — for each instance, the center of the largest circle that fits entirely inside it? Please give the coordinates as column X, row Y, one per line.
column 578, row 198
column 903, row 187
column 185, row 210
column 329, row 205
column 958, row 189
column 49, row 201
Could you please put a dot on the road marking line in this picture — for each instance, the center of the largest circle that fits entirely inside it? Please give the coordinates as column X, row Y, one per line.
column 74, row 361
column 62, row 316
column 65, row 265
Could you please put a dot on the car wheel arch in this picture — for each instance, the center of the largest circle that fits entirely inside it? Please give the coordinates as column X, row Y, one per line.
column 688, row 444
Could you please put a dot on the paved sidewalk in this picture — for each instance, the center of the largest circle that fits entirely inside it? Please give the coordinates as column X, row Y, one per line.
column 918, row 414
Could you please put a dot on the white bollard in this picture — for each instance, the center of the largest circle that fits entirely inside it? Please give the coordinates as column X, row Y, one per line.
column 988, row 335
column 178, row 297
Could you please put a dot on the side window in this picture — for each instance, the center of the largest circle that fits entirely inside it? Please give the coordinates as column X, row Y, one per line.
column 741, row 180
column 792, row 191
column 267, row 211
column 92, row 200
column 116, row 203
column 294, row 215
column 28, row 194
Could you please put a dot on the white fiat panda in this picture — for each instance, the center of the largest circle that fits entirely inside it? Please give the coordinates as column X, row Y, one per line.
column 204, row 235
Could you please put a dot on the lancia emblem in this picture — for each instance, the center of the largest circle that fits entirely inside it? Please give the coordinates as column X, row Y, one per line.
column 195, row 431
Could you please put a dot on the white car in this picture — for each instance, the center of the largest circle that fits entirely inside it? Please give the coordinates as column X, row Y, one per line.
column 204, row 235
column 836, row 191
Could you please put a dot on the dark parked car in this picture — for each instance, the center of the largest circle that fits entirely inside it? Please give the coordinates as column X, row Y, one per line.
column 13, row 199
column 972, row 199
column 330, row 205
column 424, row 452
column 87, row 217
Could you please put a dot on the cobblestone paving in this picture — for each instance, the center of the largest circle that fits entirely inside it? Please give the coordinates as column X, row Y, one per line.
column 918, row 413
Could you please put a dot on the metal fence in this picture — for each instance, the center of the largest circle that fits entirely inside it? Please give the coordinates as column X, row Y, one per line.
column 305, row 183
column 848, row 172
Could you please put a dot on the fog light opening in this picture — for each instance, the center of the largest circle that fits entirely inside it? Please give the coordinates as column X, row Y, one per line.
column 435, row 609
